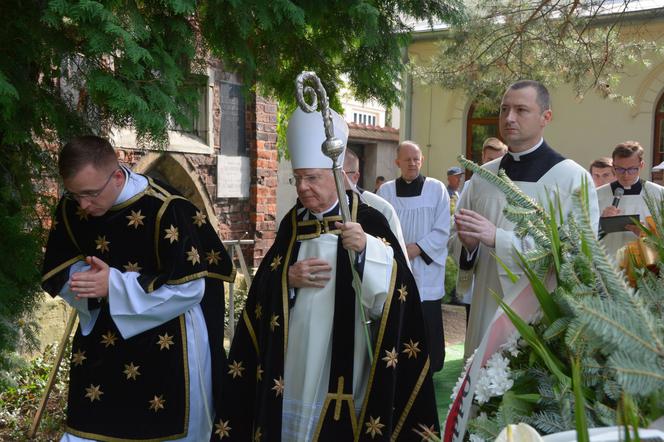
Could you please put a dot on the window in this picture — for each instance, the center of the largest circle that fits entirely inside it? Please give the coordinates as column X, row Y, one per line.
column 482, row 124
column 362, row 118
column 197, row 119
column 658, row 145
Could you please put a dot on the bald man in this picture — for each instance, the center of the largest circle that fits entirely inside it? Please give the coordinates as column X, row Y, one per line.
column 423, row 206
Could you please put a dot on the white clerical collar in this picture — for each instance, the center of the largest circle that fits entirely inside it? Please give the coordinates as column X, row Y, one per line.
column 517, row 155
column 636, row 180
column 133, row 185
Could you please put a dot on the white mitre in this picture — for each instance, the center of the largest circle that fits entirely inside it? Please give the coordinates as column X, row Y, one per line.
column 305, row 136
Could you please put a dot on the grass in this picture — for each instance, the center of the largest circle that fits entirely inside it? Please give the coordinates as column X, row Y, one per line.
column 444, row 380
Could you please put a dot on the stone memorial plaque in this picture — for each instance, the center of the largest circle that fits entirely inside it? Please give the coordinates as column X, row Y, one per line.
column 233, row 176
column 232, row 119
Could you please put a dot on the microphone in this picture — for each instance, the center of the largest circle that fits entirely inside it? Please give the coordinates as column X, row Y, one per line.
column 617, row 194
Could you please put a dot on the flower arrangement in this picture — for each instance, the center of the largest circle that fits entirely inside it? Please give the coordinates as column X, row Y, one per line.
column 595, row 355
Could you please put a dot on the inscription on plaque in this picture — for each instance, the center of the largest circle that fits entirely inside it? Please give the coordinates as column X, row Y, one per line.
column 232, row 119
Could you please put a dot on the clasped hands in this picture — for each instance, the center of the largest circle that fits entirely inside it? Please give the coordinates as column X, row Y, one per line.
column 315, row 272
column 473, row 229
column 91, row 283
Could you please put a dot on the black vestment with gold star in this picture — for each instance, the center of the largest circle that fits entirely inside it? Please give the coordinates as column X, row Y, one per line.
column 138, row 388
column 399, row 402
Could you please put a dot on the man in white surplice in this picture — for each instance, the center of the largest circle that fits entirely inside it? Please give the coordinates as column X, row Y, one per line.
column 481, row 225
column 423, row 206
column 312, row 282
column 627, row 164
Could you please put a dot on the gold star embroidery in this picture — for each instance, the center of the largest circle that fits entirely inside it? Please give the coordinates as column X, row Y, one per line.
column 172, row 234
column 93, row 393
column 157, row 403
column 274, row 322
column 135, row 219
column 82, row 214
column 259, row 373
column 108, row 339
column 412, row 349
column 276, row 262
column 132, row 267
column 374, row 427
column 236, row 369
column 131, row 371
column 222, row 429
column 427, row 433
column 391, row 358
column 213, row 257
column 258, row 435
column 193, row 256
column 199, row 218
column 102, row 244
column 403, row 292
column 278, row 386
column 387, row 243
column 165, row 342
column 78, row 357
column 258, row 311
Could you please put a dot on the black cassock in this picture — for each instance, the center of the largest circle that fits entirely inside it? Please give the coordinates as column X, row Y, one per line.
column 399, row 402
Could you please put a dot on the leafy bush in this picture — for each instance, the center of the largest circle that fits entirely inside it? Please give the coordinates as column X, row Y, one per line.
column 19, row 402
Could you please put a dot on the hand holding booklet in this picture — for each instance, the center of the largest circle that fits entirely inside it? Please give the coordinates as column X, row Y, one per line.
column 611, row 224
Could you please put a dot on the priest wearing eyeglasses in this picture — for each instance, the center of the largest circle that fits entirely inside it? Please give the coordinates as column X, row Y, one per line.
column 627, row 164
column 144, row 270
column 299, row 367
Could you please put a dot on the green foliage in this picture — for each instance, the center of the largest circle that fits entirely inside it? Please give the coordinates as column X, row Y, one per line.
column 598, row 352
column 69, row 68
column 19, row 401
column 578, row 43
column 72, row 67
column 270, row 42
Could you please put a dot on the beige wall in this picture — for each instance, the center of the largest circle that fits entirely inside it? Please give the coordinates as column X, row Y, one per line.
column 581, row 129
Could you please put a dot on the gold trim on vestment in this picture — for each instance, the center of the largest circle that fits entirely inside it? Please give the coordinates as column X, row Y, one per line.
column 131, row 200
column 62, row 266
column 411, row 400
column 163, row 191
column 230, row 278
column 157, row 230
column 185, row 353
column 322, row 226
column 67, row 226
column 379, row 342
column 187, row 278
column 250, row 329
column 103, row 438
column 339, row 397
column 284, row 279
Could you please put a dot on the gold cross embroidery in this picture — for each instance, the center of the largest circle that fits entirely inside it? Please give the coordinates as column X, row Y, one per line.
column 339, row 397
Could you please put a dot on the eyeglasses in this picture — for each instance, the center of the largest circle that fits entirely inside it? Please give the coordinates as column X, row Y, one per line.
column 90, row 194
column 309, row 180
column 628, row 170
